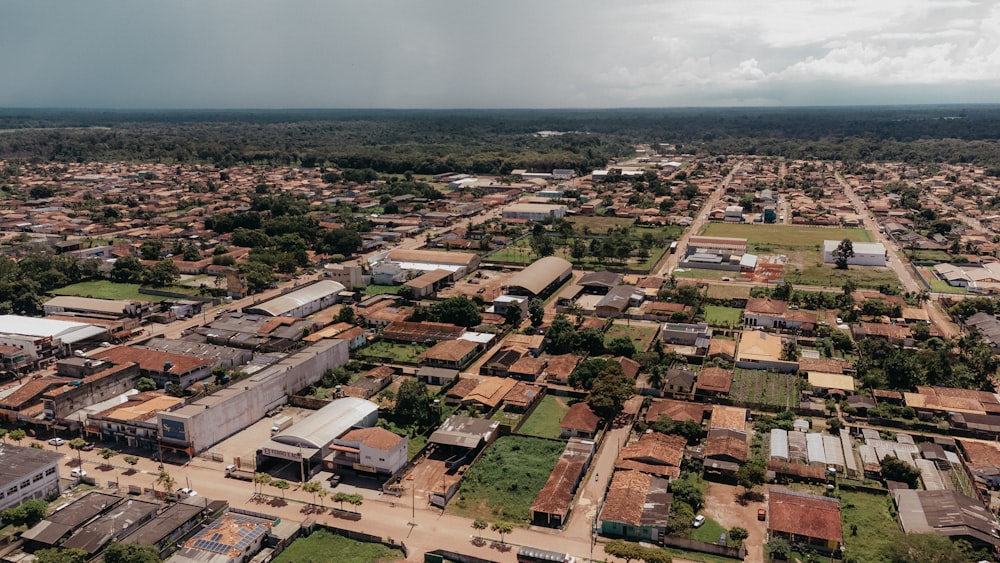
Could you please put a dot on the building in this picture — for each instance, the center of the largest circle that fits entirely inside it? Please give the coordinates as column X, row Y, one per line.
column 169, row 526
column 720, row 246
column 460, row 263
column 734, row 214
column 760, row 350
column 68, row 518
column 679, row 383
column 947, row 513
column 368, row 450
column 765, row 312
column 233, row 538
column 805, row 519
column 161, row 367
column 98, row 308
column 541, row 278
column 489, row 394
column 533, row 212
column 654, row 453
column 636, row 507
column 300, row 302
column 453, row 354
column 132, row 422
column 43, row 340
column 618, row 299
column 580, row 421
column 112, row 526
column 553, row 503
column 713, row 383
column 865, row 253
column 27, row 473
column 308, row 440
column 686, row 334
column 726, row 450
column 61, row 402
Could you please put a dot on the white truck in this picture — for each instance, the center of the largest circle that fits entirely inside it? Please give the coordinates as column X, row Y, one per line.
column 280, row 424
column 234, row 472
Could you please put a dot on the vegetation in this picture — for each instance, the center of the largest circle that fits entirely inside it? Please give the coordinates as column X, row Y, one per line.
column 28, row 513
column 131, row 553
column 324, row 547
column 754, row 387
column 544, row 421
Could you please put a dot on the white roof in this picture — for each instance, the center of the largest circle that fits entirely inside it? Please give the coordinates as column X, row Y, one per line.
column 858, row 247
column 291, row 301
column 779, row 444
column 814, row 448
column 39, row 328
column 328, row 423
column 478, row 337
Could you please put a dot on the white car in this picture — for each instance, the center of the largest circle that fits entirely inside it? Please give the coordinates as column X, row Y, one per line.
column 77, row 473
column 185, row 492
column 57, row 441
column 698, row 521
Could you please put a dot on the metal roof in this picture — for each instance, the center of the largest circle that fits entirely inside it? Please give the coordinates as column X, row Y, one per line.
column 328, row 423
column 290, row 301
column 540, row 274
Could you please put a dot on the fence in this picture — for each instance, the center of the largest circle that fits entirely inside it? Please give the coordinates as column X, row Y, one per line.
column 367, row 538
column 443, row 555
column 702, row 547
column 164, row 293
column 304, row 402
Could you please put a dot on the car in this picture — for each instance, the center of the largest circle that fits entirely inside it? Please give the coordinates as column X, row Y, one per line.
column 698, row 521
column 185, row 492
column 840, row 321
column 77, row 473
column 88, row 446
column 334, row 480
column 722, row 539
column 762, row 514
column 57, row 441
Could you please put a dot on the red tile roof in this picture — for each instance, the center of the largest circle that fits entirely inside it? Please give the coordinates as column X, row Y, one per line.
column 715, row 380
column 678, row 411
column 804, row 515
column 580, row 417
column 152, row 360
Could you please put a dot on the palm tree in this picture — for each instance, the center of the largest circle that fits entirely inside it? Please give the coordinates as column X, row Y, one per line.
column 322, row 495
column 281, row 485
column 312, row 487
column 166, row 481
column 107, row 454
column 260, row 479
column 502, row 528
column 78, row 444
column 656, row 379
column 479, row 525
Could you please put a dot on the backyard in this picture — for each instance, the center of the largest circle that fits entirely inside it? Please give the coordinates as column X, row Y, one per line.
column 104, row 289
column 503, row 483
column 716, row 315
column 393, row 351
column 544, row 421
column 766, row 389
column 640, row 333
column 322, row 546
column 875, row 526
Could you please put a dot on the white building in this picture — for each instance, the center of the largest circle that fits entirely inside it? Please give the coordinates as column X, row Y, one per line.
column 309, row 438
column 370, row 450
column 865, row 253
column 41, row 339
column 734, row 214
column 301, row 302
column 27, row 473
column 534, row 211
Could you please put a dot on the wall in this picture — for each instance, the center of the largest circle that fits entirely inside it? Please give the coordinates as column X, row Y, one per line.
column 119, row 380
column 46, row 487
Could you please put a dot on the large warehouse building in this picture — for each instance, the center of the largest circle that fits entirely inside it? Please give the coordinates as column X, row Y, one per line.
column 301, row 302
column 429, row 260
column 534, row 211
column 865, row 253
column 44, row 339
column 542, row 277
column 310, row 438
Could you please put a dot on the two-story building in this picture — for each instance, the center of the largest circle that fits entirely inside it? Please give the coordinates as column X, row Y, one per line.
column 368, row 450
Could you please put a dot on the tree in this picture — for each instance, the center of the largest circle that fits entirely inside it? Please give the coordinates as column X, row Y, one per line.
column 460, row 311
column 346, row 315
column 323, row 493
column 687, row 491
column 778, row 548
column 894, row 469
column 151, row 249
column 621, row 346
column 312, row 487
column 131, row 460
column 583, row 376
column 355, row 500
column 414, row 402
column 656, row 380
column 258, row 275
column 624, row 549
column 479, row 525
column 164, row 272
column 260, row 480
column 3, row 434
column 191, row 253
column 107, row 454
column 131, row 553
column 561, row 337
column 679, row 519
column 57, row 555
column 145, row 384
column 928, row 547
column 751, row 474
column 737, row 534
column 281, row 485
column 536, row 312
column 843, row 252
column 78, row 444
column 610, row 391
column 27, row 513
column 502, row 528
column 789, row 350
column 127, row 269
column 17, row 435
column 341, row 498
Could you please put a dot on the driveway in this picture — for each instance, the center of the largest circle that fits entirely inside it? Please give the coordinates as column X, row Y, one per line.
column 722, row 505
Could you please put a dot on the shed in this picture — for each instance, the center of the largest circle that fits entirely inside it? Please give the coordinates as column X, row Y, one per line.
column 779, row 444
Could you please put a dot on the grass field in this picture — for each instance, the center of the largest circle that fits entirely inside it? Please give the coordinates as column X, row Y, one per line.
column 709, row 531
column 765, row 388
column 784, row 236
column 727, row 291
column 403, row 353
column 382, row 289
column 929, row 256
column 322, row 547
column 700, row 274
column 640, row 335
column 544, row 422
column 520, row 252
column 876, row 527
column 104, row 289
column 722, row 316
column 599, row 225
column 806, row 268
column 504, row 482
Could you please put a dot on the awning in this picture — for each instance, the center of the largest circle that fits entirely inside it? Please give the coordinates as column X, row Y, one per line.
column 83, row 333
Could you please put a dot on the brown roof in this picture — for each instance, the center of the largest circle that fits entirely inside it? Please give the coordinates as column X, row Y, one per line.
column 527, row 365
column 580, row 417
column 450, row 350
column 714, row 379
column 655, row 449
column 721, row 347
column 375, row 437
column 981, row 454
column 825, row 365
column 804, row 515
column 557, row 494
column 462, row 389
column 678, row 411
column 733, row 418
column 523, row 394
column 884, row 394
column 895, row 332
column 626, row 496
column 766, row 306
column 491, row 391
column 629, row 366
column 152, row 360
column 32, row 390
column 561, row 366
column 727, row 443
column 797, row 469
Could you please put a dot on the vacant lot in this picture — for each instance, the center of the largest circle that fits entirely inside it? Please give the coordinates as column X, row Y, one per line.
column 639, row 332
column 722, row 316
column 104, row 289
column 544, row 422
column 727, row 291
column 383, row 289
column 766, row 389
column 402, row 353
column 505, row 481
column 599, row 225
column 322, row 546
column 784, row 236
column 876, row 527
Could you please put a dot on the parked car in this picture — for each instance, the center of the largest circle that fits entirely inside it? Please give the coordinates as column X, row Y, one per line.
column 88, row 446
column 57, row 441
column 334, row 480
column 762, row 514
column 698, row 521
column 77, row 473
column 185, row 492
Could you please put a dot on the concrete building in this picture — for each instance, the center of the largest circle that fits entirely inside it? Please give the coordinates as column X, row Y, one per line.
column 734, row 214
column 534, row 211
column 59, row 403
column 428, row 260
column 68, row 519
column 865, row 253
column 949, row 514
column 114, row 525
column 369, row 450
column 301, row 302
column 308, row 440
column 805, row 519
column 760, row 350
column 541, row 278
column 636, row 507
column 233, row 538
column 171, row 524
column 99, row 308
column 209, row 420
column 161, row 367
column 132, row 422
column 27, row 473
column 43, row 340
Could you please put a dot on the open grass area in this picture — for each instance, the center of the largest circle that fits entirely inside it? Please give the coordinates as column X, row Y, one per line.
column 807, row 268
column 520, row 252
column 104, row 289
column 544, row 421
column 784, row 236
column 640, row 335
column 876, row 527
column 929, row 256
column 393, row 351
column 727, row 291
column 722, row 316
column 702, row 274
column 382, row 289
column 504, row 482
column 755, row 387
column 709, row 531
column 322, row 546
column 597, row 225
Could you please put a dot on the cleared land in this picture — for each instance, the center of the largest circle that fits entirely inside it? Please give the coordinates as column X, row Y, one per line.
column 322, row 546
column 544, row 421
column 505, row 481
column 763, row 388
column 382, row 289
column 104, row 289
column 876, row 527
column 402, row 353
column 640, row 334
column 784, row 236
column 716, row 315
column 521, row 252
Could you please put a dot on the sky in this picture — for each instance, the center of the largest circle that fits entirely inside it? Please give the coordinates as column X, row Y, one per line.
column 236, row 54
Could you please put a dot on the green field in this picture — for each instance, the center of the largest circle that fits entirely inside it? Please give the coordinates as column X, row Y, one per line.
column 373, row 289
column 520, row 252
column 544, row 421
column 104, row 289
column 783, row 236
column 722, row 316
column 701, row 274
column 727, row 291
column 809, row 270
column 503, row 483
column 324, row 547
column 709, row 531
column 876, row 527
column 640, row 335
column 597, row 225
column 764, row 388
column 402, row 353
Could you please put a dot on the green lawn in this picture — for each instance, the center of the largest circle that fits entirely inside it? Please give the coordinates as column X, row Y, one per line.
column 876, row 527
column 403, row 353
column 544, row 421
column 709, row 531
column 504, row 482
column 520, row 252
column 765, row 388
column 701, row 274
column 324, row 547
column 104, row 289
column 640, row 335
column 382, row 289
column 784, row 236
column 722, row 316
column 599, row 225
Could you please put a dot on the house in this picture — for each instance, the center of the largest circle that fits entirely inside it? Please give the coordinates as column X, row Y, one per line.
column 804, row 519
column 679, row 383
column 765, row 313
column 599, row 282
column 636, row 507
column 760, row 350
column 678, row 411
column 722, row 348
column 558, row 368
column 949, row 514
column 527, row 368
column 629, row 366
column 554, row 501
column 520, row 398
column 487, row 396
column 580, row 421
column 726, row 450
column 618, row 300
column 713, row 383
column 895, row 334
column 454, row 354
column 436, row 376
column 372, row 450
column 865, row 253
column 685, row 334
column 654, row 453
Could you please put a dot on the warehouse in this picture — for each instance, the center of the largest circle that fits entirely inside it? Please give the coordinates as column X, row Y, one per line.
column 301, row 302
column 429, row 260
column 27, row 473
column 865, row 253
column 310, row 438
column 45, row 339
column 534, row 211
column 541, row 278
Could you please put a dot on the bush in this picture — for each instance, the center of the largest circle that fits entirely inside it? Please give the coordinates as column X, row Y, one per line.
column 28, row 513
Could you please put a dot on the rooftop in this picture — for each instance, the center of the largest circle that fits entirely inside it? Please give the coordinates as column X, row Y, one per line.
column 804, row 515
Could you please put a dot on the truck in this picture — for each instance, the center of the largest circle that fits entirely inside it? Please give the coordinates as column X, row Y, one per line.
column 280, row 424
column 234, row 472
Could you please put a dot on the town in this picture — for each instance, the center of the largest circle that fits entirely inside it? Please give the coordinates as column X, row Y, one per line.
column 677, row 356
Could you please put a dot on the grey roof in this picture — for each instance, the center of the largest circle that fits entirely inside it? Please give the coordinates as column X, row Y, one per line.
column 618, row 297
column 779, row 444
column 540, row 274
column 463, row 431
column 328, row 423
column 17, row 462
column 948, row 513
column 109, row 306
column 600, row 279
column 290, row 301
column 159, row 528
column 442, row 373
column 113, row 525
